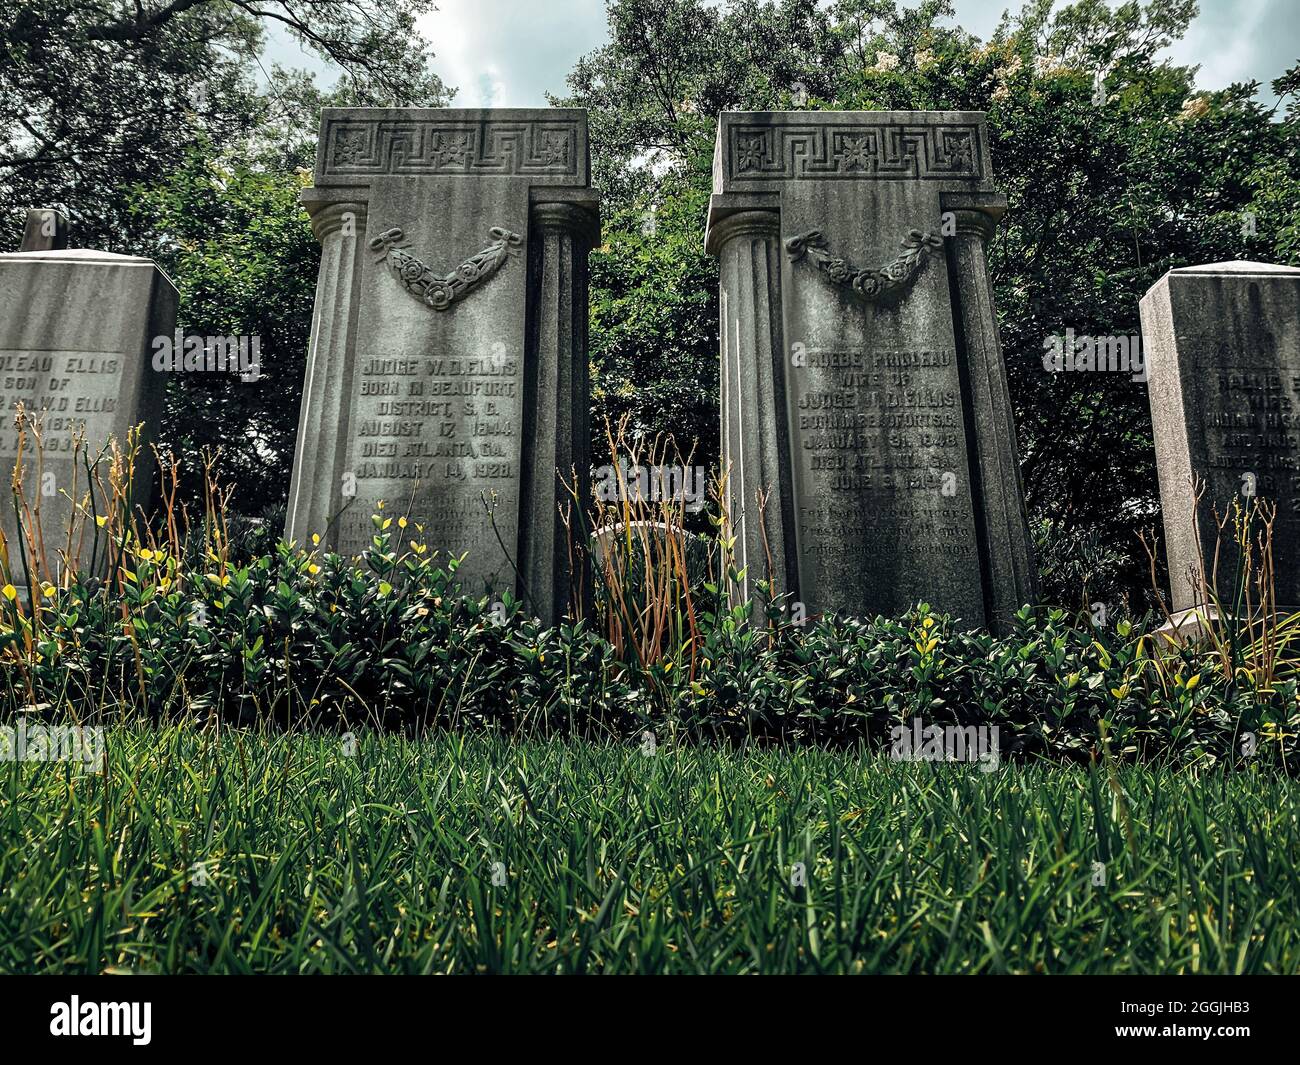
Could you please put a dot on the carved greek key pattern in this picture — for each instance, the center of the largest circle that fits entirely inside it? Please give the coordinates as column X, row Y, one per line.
column 884, row 283
column 440, row 291
column 893, row 150
column 360, row 147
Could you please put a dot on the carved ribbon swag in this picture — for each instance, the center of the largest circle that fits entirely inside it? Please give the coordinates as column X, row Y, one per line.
column 441, row 291
column 891, row 279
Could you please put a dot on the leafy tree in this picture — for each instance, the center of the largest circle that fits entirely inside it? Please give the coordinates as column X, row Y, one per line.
column 652, row 278
column 99, row 97
column 244, row 258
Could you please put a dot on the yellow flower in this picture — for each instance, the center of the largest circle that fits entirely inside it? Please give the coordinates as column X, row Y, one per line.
column 380, row 505
column 101, row 521
column 315, row 538
column 401, row 523
column 10, row 592
column 47, row 590
column 313, row 569
column 145, row 554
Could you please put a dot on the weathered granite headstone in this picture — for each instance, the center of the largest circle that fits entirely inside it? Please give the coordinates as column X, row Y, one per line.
column 863, row 388
column 76, row 341
column 448, row 358
column 1222, row 345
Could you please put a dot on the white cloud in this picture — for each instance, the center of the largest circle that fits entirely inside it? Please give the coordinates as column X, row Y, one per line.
column 1238, row 40
column 508, row 53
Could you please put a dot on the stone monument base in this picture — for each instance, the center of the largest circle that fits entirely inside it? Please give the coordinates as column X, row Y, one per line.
column 1195, row 623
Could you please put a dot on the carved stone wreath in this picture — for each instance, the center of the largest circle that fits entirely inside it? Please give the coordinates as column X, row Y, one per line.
column 892, row 279
column 440, row 291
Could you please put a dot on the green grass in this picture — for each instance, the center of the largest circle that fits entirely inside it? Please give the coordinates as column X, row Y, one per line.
column 616, row 861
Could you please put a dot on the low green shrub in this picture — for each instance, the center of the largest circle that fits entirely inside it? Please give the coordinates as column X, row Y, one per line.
column 389, row 641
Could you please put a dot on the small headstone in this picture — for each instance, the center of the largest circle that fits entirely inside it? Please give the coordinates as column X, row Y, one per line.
column 448, row 359
column 1222, row 345
column 46, row 230
column 76, row 341
column 866, row 422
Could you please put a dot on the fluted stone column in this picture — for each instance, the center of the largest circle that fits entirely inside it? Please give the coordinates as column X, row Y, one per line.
column 1001, row 516
column 557, row 414
column 317, row 486
column 752, row 375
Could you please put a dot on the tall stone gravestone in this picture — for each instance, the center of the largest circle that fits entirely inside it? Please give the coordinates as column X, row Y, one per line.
column 77, row 330
column 448, row 359
column 863, row 389
column 1222, row 345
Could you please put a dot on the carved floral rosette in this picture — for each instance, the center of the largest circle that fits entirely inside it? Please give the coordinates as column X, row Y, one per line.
column 440, row 291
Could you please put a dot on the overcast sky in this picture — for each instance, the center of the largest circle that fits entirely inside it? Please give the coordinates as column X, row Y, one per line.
column 509, row 53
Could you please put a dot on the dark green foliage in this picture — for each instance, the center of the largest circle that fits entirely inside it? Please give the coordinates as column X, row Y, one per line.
column 244, row 258
column 99, row 99
column 293, row 638
column 652, row 278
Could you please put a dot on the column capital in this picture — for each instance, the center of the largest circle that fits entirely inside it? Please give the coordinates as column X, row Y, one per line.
column 977, row 213
column 330, row 209
column 759, row 223
column 328, row 218
column 975, row 222
column 562, row 217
